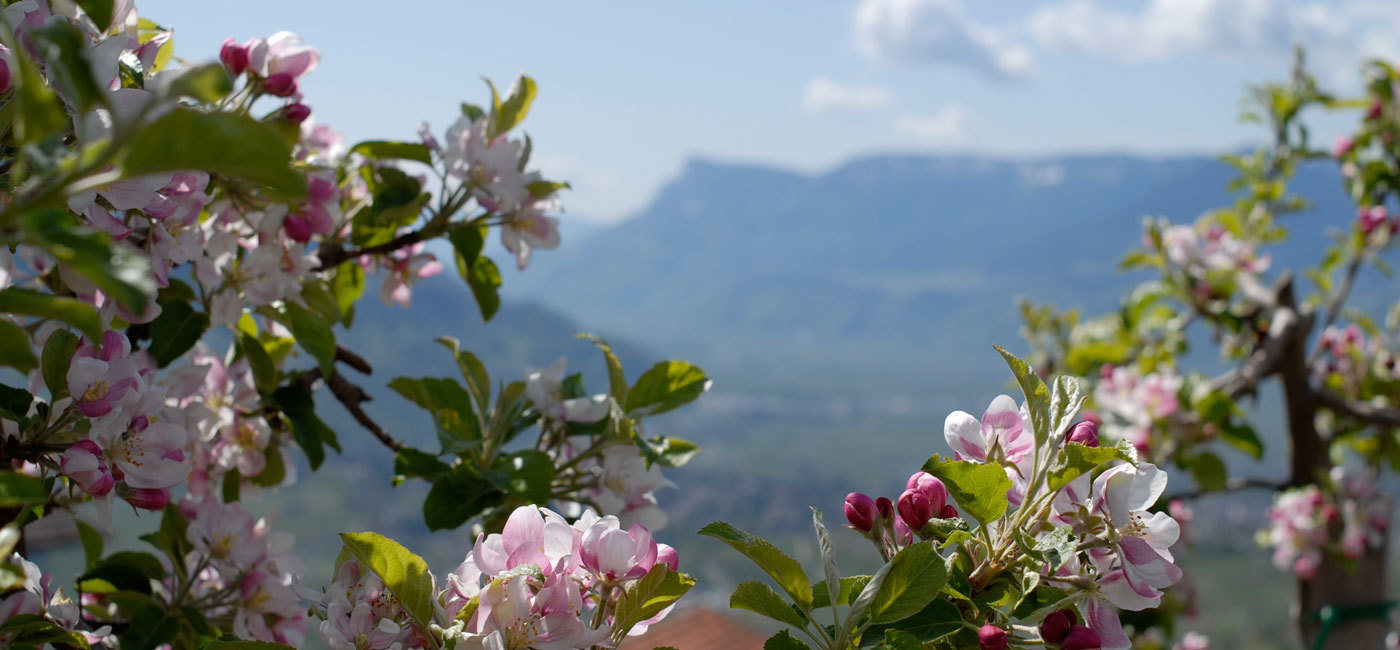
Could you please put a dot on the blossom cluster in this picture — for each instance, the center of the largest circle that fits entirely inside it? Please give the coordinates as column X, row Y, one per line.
column 1202, row 250
column 542, row 582
column 37, row 596
column 1132, row 404
column 1349, row 516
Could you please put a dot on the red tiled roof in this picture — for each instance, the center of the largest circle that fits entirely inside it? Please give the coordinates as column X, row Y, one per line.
column 698, row 629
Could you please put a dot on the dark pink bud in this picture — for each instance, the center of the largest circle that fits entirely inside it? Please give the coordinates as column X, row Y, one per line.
column 1085, row 433
column 1081, row 638
column 914, row 509
column 860, row 511
column 4, row 76
column 991, row 637
column 1375, row 110
column 932, row 488
column 948, row 512
column 1090, row 415
column 296, row 112
column 1057, row 625
column 885, row 508
column 319, row 189
column 149, row 499
column 298, row 228
column 234, row 56
column 281, row 85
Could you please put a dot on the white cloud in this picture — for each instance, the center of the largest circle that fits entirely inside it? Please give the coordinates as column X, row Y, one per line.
column 1337, row 36
column 822, row 95
column 951, row 126
column 919, row 31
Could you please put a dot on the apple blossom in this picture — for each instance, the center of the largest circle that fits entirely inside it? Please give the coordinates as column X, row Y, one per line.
column 1002, row 433
column 860, row 511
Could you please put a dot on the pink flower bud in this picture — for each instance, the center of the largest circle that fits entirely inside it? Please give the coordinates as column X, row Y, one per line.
column 991, row 637
column 666, row 555
column 82, row 463
column 281, row 85
column 4, row 76
column 1375, row 110
column 234, row 56
column 296, row 112
column 1085, row 433
column 914, row 509
column 931, row 488
column 860, row 511
column 1057, row 625
column 948, row 512
column 885, row 509
column 298, row 228
column 1342, row 147
column 1081, row 638
column 148, row 498
column 902, row 535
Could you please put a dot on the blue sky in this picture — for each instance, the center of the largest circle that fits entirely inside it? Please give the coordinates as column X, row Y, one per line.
column 630, row 90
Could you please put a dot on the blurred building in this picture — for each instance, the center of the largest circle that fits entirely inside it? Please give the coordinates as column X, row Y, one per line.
column 698, row 629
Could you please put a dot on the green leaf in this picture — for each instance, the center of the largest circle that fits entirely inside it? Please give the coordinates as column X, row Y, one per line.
column 319, row 298
column 667, row 385
column 175, row 331
column 759, row 598
column 100, row 11
column 1209, row 471
column 385, row 149
column 512, row 111
column 312, row 334
column 41, row 112
column 821, row 595
column 901, row 640
column 310, row 433
column 14, row 402
column 21, row 490
column 34, row 630
column 1043, row 598
column 833, row 576
column 1057, row 547
column 233, row 482
column 207, row 82
column 151, row 626
column 1065, row 403
column 1076, row 459
column 405, row 575
column 15, row 349
column 458, row 496
column 617, row 381
column 473, row 373
column 979, row 488
column 646, row 597
column 243, row 645
column 784, row 640
column 66, row 310
column 935, row 621
column 118, row 271
column 63, row 49
column 527, row 474
column 917, row 573
column 227, row 144
column 347, row 285
column 1242, row 437
column 58, row 354
column 784, row 571
column 479, row 271
column 1037, row 395
column 264, row 370
column 92, row 543
column 416, row 463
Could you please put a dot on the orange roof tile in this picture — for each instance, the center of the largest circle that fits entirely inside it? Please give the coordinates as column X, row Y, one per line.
column 698, row 629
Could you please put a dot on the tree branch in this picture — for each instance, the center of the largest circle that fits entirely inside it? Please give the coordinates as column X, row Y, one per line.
column 1334, row 306
column 1232, row 485
column 1355, row 409
column 332, row 256
column 351, row 396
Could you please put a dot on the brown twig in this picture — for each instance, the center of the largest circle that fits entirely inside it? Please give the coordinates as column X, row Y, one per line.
column 1232, row 485
column 351, row 396
column 332, row 255
column 1364, row 411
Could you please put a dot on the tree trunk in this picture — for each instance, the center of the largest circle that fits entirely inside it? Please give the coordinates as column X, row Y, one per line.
column 1341, row 584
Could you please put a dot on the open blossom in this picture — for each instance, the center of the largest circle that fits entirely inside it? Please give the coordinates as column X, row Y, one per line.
column 1138, row 565
column 1002, row 430
column 103, row 378
column 1217, row 250
column 405, row 267
column 1131, row 402
column 1298, row 529
column 529, row 228
column 545, row 386
column 83, row 464
column 613, row 554
column 490, row 165
column 37, row 597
